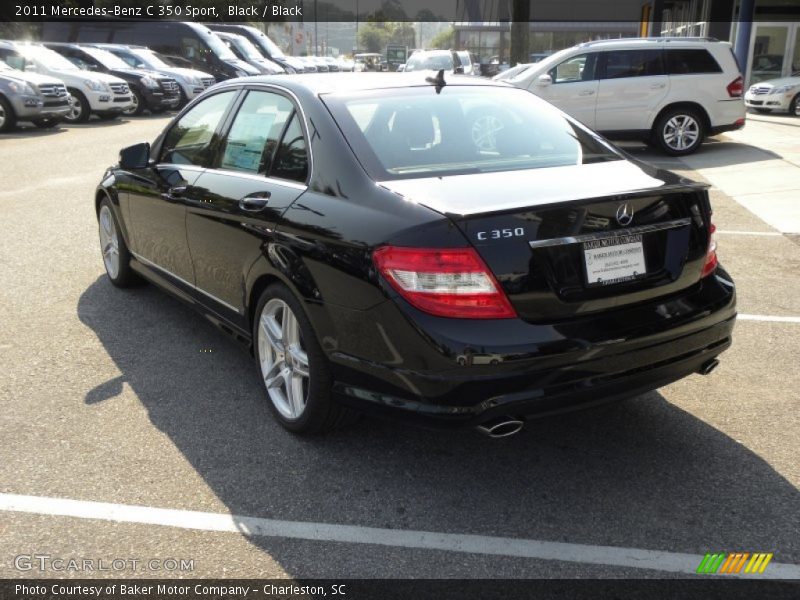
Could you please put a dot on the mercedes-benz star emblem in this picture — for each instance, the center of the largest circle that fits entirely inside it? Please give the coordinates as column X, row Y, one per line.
column 624, row 214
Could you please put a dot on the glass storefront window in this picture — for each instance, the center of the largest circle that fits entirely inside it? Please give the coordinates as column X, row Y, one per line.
column 769, row 48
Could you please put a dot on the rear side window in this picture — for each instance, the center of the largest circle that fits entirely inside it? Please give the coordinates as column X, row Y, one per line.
column 687, row 62
column 291, row 158
column 633, row 63
column 192, row 139
column 254, row 135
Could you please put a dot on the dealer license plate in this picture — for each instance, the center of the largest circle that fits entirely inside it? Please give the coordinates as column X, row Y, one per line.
column 614, row 259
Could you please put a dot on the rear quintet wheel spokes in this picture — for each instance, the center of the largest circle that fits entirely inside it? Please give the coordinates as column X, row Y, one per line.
column 109, row 242
column 681, row 132
column 283, row 358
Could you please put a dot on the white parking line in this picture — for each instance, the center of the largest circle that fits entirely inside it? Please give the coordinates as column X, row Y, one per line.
column 735, row 232
column 772, row 318
column 352, row 534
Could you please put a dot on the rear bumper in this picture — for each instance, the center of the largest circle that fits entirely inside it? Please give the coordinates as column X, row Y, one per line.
column 622, row 354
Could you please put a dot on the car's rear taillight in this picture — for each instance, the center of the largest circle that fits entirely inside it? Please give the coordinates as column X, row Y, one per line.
column 736, row 88
column 711, row 253
column 446, row 282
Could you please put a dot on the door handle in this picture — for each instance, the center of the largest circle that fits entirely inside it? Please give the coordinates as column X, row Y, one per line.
column 255, row 203
column 174, row 193
column 658, row 86
column 587, row 93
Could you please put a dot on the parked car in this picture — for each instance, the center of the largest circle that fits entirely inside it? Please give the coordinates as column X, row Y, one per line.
column 512, row 72
column 434, row 60
column 369, row 61
column 40, row 99
column 309, row 65
column 672, row 91
column 150, row 89
column 184, row 44
column 333, row 64
column 782, row 95
column 191, row 81
column 89, row 92
column 247, row 52
column 393, row 263
column 265, row 45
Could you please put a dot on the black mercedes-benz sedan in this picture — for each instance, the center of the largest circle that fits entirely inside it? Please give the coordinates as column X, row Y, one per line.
column 444, row 249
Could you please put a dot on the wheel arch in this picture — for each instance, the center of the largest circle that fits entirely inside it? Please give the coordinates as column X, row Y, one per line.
column 684, row 104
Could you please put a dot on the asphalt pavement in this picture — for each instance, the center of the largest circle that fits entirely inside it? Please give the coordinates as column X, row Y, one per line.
column 128, row 397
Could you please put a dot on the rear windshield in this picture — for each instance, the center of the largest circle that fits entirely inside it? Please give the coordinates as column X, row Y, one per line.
column 402, row 133
column 433, row 62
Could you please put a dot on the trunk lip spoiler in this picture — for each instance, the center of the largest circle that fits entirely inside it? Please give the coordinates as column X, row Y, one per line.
column 685, row 186
column 600, row 235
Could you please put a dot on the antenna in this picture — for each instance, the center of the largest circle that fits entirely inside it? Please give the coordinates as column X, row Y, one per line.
column 437, row 81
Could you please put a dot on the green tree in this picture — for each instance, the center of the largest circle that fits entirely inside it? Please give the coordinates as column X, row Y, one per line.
column 402, row 33
column 444, row 39
column 372, row 37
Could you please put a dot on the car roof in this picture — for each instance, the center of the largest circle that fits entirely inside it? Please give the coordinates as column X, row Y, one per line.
column 357, row 82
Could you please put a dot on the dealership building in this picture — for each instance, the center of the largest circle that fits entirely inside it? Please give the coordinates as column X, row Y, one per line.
column 765, row 33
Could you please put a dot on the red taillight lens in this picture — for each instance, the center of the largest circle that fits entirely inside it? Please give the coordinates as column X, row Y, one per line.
column 736, row 88
column 451, row 282
column 711, row 253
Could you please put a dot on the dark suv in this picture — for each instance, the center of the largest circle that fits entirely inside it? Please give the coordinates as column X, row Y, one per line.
column 151, row 90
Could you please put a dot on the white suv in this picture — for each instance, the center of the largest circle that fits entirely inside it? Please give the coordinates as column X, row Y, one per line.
column 671, row 91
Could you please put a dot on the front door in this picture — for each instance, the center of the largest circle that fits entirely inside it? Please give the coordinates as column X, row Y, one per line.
column 156, row 196
column 573, row 87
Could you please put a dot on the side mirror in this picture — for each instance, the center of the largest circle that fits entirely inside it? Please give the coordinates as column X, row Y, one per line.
column 135, row 157
column 30, row 68
column 459, row 70
column 544, row 79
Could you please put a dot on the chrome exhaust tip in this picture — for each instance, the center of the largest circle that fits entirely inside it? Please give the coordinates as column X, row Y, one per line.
column 501, row 427
column 708, row 367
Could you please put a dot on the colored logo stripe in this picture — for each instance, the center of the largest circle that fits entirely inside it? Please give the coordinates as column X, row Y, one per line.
column 733, row 562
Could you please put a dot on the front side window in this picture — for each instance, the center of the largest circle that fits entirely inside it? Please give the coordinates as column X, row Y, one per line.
column 253, row 137
column 633, row 63
column 192, row 140
column 416, row 132
column 577, row 68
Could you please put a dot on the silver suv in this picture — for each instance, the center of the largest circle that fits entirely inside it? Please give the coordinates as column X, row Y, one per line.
column 671, row 91
column 25, row 96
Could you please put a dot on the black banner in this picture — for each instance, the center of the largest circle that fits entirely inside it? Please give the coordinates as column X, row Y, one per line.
column 367, row 589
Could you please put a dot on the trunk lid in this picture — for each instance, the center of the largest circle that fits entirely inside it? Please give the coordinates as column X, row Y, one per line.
column 574, row 240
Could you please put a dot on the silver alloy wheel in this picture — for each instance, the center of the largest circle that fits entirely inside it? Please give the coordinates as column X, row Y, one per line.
column 681, row 132
column 75, row 108
column 283, row 359
column 109, row 242
column 796, row 103
column 484, row 132
column 2, row 116
column 134, row 106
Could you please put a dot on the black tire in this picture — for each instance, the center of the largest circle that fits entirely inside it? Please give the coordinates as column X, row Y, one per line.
column 8, row 119
column 665, row 124
column 81, row 109
column 125, row 276
column 46, row 123
column 184, row 99
column 794, row 106
column 764, row 111
column 321, row 412
column 138, row 105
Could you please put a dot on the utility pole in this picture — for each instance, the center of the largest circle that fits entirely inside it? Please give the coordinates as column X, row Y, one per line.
column 520, row 31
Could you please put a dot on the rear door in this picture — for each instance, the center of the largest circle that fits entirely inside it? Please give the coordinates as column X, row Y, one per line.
column 573, row 88
column 633, row 84
column 260, row 169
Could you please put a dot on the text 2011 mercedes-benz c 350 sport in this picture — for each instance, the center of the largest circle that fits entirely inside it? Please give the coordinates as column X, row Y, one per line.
column 437, row 248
